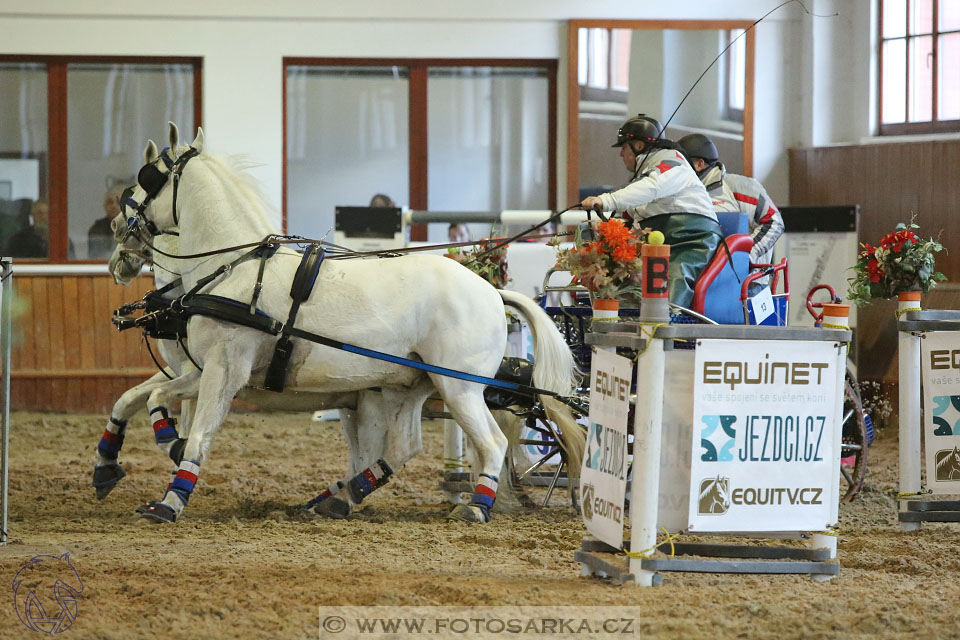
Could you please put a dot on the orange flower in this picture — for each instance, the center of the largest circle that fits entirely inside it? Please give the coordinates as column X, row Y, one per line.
column 625, row 253
column 614, row 232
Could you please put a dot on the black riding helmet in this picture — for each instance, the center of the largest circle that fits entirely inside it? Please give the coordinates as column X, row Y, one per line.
column 642, row 127
column 697, row 145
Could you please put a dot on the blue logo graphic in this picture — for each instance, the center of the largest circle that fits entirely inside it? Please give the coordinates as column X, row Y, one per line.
column 45, row 592
column 594, row 446
column 717, row 445
column 946, row 421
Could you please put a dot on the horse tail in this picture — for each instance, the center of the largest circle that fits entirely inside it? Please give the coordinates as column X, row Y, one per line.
column 554, row 370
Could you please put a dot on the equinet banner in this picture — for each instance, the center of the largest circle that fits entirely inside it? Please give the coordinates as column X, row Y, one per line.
column 765, row 427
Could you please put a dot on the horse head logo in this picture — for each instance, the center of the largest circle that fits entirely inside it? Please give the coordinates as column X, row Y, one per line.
column 948, row 465
column 33, row 586
column 714, row 496
column 587, row 499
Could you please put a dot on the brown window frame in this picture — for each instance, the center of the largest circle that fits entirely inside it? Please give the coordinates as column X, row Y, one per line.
column 57, row 134
column 926, row 126
column 418, row 72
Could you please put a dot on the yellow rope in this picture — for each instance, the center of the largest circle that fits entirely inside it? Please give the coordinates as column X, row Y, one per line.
column 913, row 496
column 826, row 325
column 835, row 533
column 649, row 335
column 900, row 312
column 646, row 553
column 455, row 463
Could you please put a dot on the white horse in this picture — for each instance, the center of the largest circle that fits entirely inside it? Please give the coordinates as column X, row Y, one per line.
column 107, row 472
column 129, row 258
column 425, row 308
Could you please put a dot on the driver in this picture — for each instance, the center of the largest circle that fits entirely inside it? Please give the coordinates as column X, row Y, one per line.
column 664, row 195
column 732, row 192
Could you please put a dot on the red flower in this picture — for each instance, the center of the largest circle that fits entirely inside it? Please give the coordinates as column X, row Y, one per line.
column 874, row 270
column 867, row 250
column 895, row 241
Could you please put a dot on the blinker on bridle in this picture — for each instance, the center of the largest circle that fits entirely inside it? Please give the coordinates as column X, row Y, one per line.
column 152, row 180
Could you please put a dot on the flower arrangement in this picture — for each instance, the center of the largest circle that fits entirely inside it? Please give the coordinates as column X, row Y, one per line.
column 609, row 265
column 492, row 266
column 902, row 262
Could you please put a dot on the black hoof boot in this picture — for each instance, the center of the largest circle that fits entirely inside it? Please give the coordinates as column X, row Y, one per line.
column 157, row 511
column 106, row 477
column 176, row 450
column 333, row 507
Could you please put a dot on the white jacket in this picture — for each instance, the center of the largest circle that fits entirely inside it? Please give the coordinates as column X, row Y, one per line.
column 732, row 192
column 664, row 183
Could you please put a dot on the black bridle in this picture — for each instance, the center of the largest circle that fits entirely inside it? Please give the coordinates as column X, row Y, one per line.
column 152, row 180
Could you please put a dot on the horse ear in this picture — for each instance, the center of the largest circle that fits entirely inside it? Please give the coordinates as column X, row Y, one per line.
column 174, row 137
column 150, row 154
column 198, row 141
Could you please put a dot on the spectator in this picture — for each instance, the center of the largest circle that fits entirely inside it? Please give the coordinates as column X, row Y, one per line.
column 100, row 241
column 381, row 200
column 33, row 238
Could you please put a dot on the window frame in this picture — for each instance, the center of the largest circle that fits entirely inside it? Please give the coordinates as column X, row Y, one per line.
column 418, row 69
column 935, row 125
column 57, row 134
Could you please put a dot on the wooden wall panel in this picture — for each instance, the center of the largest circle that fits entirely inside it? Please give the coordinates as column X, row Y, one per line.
column 890, row 182
column 67, row 356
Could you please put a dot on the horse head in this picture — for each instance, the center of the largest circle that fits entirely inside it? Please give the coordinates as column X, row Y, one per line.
column 147, row 209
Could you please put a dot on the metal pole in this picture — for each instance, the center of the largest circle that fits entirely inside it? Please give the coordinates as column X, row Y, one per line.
column 6, row 341
column 834, row 315
column 910, row 420
column 648, row 421
column 509, row 216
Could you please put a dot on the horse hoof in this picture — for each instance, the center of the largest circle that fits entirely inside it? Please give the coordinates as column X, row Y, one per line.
column 467, row 513
column 333, row 507
column 157, row 512
column 106, row 477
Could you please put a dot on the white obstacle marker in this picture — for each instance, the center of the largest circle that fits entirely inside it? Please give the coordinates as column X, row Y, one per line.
column 929, row 343
column 712, row 432
column 6, row 340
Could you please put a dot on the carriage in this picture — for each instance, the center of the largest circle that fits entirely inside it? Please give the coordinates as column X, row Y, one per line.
column 722, row 296
column 458, row 329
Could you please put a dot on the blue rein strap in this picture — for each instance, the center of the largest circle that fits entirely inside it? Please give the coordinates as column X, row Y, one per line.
column 423, row 366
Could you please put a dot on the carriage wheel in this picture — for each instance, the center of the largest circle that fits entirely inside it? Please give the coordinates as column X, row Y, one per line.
column 853, row 456
column 540, row 469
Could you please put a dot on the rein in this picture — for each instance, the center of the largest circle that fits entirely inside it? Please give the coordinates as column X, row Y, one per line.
column 345, row 253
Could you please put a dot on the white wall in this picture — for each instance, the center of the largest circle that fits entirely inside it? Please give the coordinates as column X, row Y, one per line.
column 243, row 42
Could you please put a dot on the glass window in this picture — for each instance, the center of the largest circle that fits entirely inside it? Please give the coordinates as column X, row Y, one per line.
column 112, row 110
column 488, row 140
column 24, row 164
column 347, row 141
column 620, row 59
column 949, row 69
column 919, row 62
column 737, row 75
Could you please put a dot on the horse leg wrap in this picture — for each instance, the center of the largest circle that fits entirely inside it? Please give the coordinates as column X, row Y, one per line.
column 365, row 482
column 329, row 493
column 112, row 440
column 164, row 428
column 185, row 480
column 485, row 493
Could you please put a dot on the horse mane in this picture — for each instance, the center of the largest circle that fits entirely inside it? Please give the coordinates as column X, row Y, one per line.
column 234, row 169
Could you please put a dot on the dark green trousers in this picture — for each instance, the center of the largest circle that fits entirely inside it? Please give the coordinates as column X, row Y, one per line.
column 693, row 240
